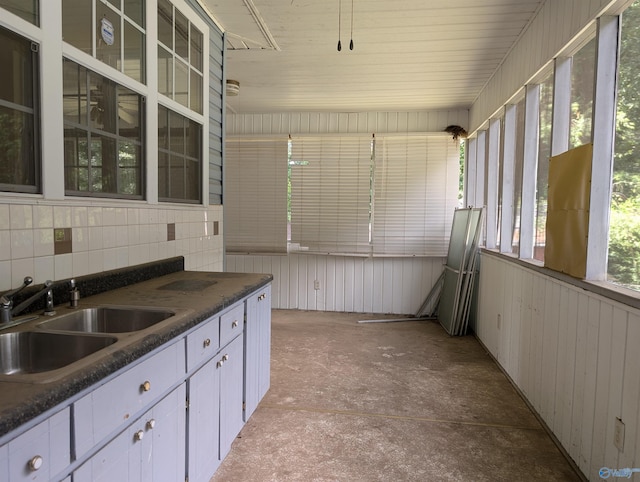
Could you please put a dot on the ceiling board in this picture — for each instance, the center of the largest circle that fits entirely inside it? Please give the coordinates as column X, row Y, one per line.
column 408, row 54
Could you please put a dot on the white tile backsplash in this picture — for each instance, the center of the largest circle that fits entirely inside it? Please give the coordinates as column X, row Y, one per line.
column 21, row 216
column 43, row 216
column 43, row 242
column 104, row 237
column 21, row 243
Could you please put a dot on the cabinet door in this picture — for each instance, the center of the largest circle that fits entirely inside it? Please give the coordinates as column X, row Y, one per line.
column 257, row 349
column 151, row 449
column 40, row 453
column 204, row 422
column 230, row 366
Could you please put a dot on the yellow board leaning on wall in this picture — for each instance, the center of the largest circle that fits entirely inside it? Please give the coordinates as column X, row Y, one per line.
column 568, row 211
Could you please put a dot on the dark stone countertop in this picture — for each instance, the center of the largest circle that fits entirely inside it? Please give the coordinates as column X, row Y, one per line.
column 194, row 296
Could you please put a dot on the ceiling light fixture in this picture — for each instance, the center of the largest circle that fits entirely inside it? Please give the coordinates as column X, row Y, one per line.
column 233, row 87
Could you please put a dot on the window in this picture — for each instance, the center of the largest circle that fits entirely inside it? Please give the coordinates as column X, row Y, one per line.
column 180, row 57
column 179, row 157
column 542, row 177
column 119, row 40
column 331, row 193
column 255, row 196
column 26, row 9
column 19, row 116
column 517, row 177
column 582, row 83
column 103, row 135
column 624, row 230
column 415, row 194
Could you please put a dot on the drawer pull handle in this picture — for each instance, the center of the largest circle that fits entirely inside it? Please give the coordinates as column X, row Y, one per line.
column 138, row 435
column 234, row 324
column 225, row 358
column 219, row 364
column 207, row 343
column 262, row 297
column 150, row 424
column 35, row 463
column 146, row 386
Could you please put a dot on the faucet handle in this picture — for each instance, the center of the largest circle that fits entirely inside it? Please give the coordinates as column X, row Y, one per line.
column 72, row 284
column 7, row 298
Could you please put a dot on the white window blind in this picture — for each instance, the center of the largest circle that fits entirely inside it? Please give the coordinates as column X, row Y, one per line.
column 255, row 195
column 331, row 193
column 416, row 193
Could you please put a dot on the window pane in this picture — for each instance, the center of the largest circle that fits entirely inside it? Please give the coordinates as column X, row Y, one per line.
column 76, row 171
column 196, row 48
column 133, row 52
column 192, row 181
column 108, row 46
column 76, row 24
column 16, row 80
column 128, row 168
column 582, row 83
column 196, row 92
column 19, row 143
column 193, row 139
column 517, row 177
column 165, row 23
column 102, row 101
column 26, row 9
column 177, row 179
column 182, row 84
column 177, row 136
column 163, row 175
column 624, row 230
column 165, row 72
column 113, row 130
column 163, row 127
column 134, row 9
column 129, row 116
column 542, row 177
column 182, row 36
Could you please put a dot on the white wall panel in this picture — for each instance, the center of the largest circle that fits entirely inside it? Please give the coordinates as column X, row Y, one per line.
column 572, row 353
column 352, row 284
column 352, row 123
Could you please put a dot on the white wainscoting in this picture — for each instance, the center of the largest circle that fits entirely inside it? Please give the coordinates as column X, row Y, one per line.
column 350, row 284
column 575, row 355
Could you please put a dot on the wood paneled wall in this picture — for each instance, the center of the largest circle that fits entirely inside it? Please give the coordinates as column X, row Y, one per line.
column 575, row 355
column 351, row 284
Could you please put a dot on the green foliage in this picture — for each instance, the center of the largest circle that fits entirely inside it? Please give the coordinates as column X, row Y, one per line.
column 624, row 231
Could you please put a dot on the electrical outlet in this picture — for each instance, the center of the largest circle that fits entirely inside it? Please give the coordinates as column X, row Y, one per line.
column 618, row 435
column 316, row 285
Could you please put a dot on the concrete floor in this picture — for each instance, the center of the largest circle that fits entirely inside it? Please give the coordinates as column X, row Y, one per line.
column 387, row 402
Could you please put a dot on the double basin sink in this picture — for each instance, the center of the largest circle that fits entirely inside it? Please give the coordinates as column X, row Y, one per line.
column 56, row 343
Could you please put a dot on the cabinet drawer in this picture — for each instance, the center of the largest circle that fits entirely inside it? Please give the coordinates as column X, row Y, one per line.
column 40, row 453
column 203, row 343
column 106, row 408
column 231, row 324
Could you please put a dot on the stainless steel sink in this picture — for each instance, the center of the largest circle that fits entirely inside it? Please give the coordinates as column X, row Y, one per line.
column 108, row 319
column 27, row 352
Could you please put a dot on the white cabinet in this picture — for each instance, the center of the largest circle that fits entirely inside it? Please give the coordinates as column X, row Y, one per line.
column 152, row 448
column 120, row 400
column 215, row 410
column 40, row 453
column 257, row 349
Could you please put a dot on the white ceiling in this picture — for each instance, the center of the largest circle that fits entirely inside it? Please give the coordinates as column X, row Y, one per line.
column 408, row 55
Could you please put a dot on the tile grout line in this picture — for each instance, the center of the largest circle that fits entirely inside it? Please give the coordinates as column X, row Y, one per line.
column 397, row 417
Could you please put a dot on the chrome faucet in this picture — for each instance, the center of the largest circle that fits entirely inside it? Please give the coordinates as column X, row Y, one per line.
column 7, row 311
